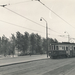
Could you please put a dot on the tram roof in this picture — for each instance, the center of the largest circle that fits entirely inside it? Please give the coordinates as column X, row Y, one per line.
column 63, row 43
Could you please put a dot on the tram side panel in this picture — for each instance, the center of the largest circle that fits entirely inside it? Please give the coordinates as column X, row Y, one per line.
column 58, row 54
column 73, row 53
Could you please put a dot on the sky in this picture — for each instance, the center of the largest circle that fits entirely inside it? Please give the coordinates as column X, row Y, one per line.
column 34, row 10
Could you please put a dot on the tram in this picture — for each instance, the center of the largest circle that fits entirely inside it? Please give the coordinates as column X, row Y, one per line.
column 62, row 50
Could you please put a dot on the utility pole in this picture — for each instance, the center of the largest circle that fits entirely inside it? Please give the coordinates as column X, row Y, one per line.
column 46, row 33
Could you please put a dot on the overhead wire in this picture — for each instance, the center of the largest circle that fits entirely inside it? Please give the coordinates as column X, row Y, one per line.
column 24, row 27
column 20, row 26
column 24, row 17
column 54, row 31
column 56, row 14
column 28, row 18
column 38, row 23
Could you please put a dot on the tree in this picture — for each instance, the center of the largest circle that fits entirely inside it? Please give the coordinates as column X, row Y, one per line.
column 55, row 41
column 44, row 45
column 13, row 44
column 26, row 41
column 4, row 45
column 32, row 43
column 18, row 41
column 38, row 44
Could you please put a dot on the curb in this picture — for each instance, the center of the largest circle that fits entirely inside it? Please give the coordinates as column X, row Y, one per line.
column 22, row 62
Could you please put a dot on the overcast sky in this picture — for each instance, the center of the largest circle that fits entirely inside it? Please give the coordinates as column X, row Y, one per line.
column 34, row 10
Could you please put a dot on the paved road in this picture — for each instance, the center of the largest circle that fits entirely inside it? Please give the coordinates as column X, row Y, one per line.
column 42, row 67
column 7, row 61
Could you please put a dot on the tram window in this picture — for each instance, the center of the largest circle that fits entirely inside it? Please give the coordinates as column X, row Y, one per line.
column 66, row 48
column 52, row 47
column 56, row 47
column 63, row 48
column 74, row 48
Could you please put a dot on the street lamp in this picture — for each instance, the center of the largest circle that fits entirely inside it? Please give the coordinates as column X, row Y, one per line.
column 68, row 35
column 46, row 32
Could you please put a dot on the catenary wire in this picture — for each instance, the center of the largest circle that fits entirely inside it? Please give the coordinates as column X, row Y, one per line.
column 23, row 27
column 54, row 31
column 36, row 22
column 20, row 26
column 24, row 17
column 57, row 14
column 30, row 19
column 26, row 28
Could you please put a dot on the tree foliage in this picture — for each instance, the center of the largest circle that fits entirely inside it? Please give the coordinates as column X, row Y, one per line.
column 25, row 43
column 32, row 43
